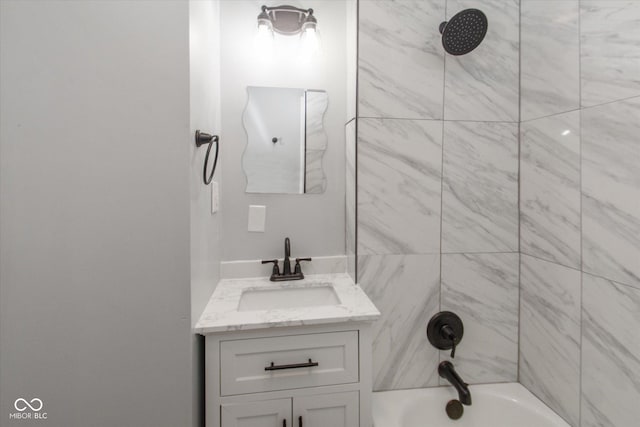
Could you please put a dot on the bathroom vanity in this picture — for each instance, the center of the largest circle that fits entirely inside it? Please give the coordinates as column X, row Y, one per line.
column 282, row 354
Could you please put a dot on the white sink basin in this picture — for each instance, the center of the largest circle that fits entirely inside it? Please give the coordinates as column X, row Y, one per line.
column 281, row 298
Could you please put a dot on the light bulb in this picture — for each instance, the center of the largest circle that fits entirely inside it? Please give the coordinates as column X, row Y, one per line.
column 264, row 40
column 310, row 43
column 264, row 31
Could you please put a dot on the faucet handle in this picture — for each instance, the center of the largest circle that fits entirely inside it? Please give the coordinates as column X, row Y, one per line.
column 298, row 269
column 453, row 350
column 448, row 333
column 276, row 270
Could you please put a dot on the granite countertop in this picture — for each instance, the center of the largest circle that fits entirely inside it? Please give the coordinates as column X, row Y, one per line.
column 222, row 315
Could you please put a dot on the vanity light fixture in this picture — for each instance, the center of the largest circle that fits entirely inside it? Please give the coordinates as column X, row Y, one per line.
column 286, row 20
column 289, row 21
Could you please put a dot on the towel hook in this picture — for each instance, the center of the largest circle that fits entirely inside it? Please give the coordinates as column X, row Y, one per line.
column 204, row 138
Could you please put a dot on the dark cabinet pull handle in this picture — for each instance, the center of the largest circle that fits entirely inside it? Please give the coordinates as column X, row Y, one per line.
column 274, row 367
column 284, row 423
column 300, row 421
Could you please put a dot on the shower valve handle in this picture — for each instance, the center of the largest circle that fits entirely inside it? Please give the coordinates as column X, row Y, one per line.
column 445, row 331
column 449, row 334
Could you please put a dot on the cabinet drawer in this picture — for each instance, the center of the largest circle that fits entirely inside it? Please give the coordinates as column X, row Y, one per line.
column 281, row 363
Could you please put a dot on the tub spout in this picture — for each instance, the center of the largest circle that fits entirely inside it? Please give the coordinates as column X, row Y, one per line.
column 448, row 372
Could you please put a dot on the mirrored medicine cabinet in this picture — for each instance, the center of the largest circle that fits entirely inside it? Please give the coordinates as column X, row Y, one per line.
column 286, row 140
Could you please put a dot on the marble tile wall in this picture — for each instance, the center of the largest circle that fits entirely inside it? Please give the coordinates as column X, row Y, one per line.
column 399, row 185
column 610, row 353
column 550, row 188
column 483, row 290
column 400, row 59
column 580, row 209
column 483, row 85
column 424, row 115
column 463, row 168
column 611, row 191
column 550, row 47
column 350, row 196
column 609, row 55
column 480, row 187
column 406, row 289
column 550, row 334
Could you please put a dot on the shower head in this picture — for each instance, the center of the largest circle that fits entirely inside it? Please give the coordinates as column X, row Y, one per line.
column 464, row 32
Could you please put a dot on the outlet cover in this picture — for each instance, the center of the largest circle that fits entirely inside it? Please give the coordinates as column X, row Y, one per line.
column 257, row 215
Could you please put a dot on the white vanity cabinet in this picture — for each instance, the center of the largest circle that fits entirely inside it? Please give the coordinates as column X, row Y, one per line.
column 335, row 410
column 309, row 376
column 303, row 362
column 268, row 413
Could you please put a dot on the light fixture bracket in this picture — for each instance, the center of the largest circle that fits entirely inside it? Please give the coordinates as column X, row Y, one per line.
column 287, row 20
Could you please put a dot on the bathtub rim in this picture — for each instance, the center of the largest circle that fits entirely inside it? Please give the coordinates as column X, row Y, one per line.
column 396, row 401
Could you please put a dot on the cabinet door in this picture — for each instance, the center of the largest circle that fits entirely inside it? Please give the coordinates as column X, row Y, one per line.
column 266, row 413
column 335, row 410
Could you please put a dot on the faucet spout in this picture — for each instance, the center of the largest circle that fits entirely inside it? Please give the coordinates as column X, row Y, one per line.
column 286, row 271
column 447, row 371
column 286, row 274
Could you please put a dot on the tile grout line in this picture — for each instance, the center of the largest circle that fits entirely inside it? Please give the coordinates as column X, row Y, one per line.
column 480, row 252
column 453, row 253
column 547, row 116
column 580, row 362
column 355, row 145
column 597, row 276
column 628, row 98
column 551, row 261
column 577, row 269
column 519, row 188
column 444, row 88
column 573, row 110
column 422, row 119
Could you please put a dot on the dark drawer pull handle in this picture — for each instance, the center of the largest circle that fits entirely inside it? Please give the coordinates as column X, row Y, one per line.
column 308, row 364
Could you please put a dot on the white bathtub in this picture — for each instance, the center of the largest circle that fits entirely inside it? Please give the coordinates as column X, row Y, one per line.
column 494, row 405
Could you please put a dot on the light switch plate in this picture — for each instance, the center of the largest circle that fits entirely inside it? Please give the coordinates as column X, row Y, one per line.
column 257, row 215
column 215, row 197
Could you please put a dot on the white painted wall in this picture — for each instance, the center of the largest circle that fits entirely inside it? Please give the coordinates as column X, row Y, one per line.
column 204, row 67
column 94, row 212
column 315, row 223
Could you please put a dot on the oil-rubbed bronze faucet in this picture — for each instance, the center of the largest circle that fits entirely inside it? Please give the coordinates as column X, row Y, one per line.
column 276, row 276
column 448, row 372
column 286, row 269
